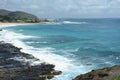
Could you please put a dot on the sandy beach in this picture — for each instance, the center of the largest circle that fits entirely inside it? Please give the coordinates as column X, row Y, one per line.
column 13, row 24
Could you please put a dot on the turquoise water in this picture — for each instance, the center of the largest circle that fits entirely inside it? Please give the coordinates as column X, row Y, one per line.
column 75, row 46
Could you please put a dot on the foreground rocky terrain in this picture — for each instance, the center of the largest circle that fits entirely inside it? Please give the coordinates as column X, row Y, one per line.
column 16, row 65
column 108, row 73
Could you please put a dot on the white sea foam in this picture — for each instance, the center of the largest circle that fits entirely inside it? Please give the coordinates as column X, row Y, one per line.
column 10, row 25
column 45, row 54
column 32, row 42
column 10, row 36
column 72, row 22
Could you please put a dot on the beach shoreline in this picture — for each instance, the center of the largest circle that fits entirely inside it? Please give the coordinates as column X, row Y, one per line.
column 8, row 24
column 14, row 24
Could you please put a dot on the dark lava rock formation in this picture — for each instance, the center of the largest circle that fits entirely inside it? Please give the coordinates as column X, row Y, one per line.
column 13, row 69
column 108, row 73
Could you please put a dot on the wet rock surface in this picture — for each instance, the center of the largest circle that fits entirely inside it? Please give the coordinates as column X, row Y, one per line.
column 108, row 73
column 13, row 69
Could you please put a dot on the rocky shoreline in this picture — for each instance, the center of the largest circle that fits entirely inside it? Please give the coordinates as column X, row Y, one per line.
column 13, row 69
column 108, row 73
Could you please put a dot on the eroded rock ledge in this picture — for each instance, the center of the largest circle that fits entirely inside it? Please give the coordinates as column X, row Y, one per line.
column 108, row 73
column 12, row 69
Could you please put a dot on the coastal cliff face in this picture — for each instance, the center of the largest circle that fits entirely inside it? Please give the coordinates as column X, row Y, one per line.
column 16, row 65
column 108, row 73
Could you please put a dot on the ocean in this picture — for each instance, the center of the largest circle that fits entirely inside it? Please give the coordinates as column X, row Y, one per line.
column 74, row 46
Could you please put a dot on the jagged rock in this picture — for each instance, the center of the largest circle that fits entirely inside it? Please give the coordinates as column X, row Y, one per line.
column 11, row 69
column 0, row 29
column 108, row 73
column 56, row 72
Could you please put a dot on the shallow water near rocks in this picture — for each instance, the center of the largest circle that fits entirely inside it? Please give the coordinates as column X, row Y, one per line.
column 74, row 48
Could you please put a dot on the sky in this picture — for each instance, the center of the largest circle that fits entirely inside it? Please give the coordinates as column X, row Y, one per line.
column 65, row 8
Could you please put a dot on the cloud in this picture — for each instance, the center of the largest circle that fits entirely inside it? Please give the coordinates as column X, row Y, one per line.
column 65, row 8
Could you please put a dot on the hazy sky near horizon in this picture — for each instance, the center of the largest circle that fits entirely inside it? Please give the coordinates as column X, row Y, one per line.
column 66, row 8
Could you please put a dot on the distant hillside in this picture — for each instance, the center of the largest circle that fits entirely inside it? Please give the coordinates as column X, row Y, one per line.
column 4, row 12
column 17, row 16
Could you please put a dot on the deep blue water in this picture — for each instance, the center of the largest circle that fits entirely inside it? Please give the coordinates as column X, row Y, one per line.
column 85, row 44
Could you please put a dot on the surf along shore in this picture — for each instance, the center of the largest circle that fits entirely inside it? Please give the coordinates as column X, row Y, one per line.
column 17, row 65
column 14, row 24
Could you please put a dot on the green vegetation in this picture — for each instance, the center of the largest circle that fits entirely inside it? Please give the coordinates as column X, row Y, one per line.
column 44, row 20
column 118, row 78
column 18, row 16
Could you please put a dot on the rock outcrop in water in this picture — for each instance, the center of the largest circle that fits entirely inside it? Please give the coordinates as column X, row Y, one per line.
column 13, row 69
column 108, row 73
